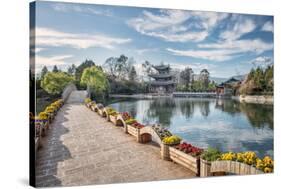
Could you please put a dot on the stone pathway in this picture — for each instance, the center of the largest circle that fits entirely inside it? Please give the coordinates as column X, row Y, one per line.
column 82, row 148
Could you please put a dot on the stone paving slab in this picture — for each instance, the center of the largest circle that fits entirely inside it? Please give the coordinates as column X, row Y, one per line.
column 82, row 148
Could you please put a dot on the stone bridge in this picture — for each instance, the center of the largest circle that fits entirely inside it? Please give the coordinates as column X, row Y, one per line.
column 82, row 148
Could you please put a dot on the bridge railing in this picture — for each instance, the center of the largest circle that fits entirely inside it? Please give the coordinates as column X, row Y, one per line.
column 67, row 90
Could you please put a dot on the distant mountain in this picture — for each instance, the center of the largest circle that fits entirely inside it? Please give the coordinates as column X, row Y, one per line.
column 240, row 77
column 218, row 80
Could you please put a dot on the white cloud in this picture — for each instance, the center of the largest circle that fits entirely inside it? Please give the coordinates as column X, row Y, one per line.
column 51, row 37
column 262, row 61
column 215, row 55
column 226, row 50
column 61, row 61
column 196, row 66
column 240, row 27
column 51, row 61
column 176, row 25
column 142, row 51
column 268, row 26
column 63, row 7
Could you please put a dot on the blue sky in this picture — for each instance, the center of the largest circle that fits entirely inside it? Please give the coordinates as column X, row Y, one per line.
column 225, row 44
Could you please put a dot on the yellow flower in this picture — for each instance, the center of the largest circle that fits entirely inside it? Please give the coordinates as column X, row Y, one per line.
column 267, row 170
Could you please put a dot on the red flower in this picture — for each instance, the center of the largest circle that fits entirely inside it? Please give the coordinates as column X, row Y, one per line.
column 137, row 125
column 189, row 149
column 126, row 115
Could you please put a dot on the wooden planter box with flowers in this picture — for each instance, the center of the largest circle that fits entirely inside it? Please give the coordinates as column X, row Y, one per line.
column 92, row 105
column 87, row 102
column 111, row 115
column 167, row 142
column 187, row 156
column 134, row 129
column 100, row 109
column 242, row 163
column 245, row 163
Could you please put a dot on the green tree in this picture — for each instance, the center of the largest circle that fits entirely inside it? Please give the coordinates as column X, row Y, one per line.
column 55, row 82
column 55, row 69
column 204, row 78
column 44, row 71
column 259, row 79
column 71, row 69
column 133, row 74
column 81, row 67
column 186, row 76
column 268, row 77
column 96, row 80
column 119, row 67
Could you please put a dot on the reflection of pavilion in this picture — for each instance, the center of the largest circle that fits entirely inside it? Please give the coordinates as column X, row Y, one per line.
column 164, row 80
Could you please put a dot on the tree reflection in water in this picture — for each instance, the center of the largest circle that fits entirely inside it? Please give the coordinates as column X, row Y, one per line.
column 258, row 115
column 162, row 109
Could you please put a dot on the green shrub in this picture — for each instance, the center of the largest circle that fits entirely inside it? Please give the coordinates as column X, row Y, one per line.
column 211, row 154
column 130, row 121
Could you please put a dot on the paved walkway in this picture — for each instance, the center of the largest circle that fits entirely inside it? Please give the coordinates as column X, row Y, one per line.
column 82, row 148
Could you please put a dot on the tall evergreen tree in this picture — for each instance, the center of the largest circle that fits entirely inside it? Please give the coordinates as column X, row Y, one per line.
column 71, row 69
column 133, row 74
column 44, row 72
column 55, row 69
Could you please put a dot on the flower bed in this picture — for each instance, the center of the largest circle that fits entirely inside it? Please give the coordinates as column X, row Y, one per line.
column 112, row 114
column 213, row 161
column 249, row 158
column 190, row 162
column 87, row 102
column 134, row 128
column 46, row 117
column 133, row 125
column 92, row 105
column 126, row 116
column 186, row 155
column 171, row 140
column 161, row 132
column 100, row 109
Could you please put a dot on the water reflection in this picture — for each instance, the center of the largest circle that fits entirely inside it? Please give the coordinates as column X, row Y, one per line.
column 226, row 124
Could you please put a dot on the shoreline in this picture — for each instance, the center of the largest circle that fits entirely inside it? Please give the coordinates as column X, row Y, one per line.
column 257, row 99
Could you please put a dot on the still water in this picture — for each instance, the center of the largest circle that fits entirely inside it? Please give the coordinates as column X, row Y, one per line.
column 225, row 124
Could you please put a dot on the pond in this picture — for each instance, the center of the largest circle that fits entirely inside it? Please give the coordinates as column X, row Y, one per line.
column 222, row 123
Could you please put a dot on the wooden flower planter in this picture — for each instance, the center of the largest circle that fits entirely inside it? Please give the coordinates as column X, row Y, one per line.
column 205, row 168
column 100, row 112
column 94, row 108
column 88, row 105
column 186, row 160
column 234, row 167
column 133, row 131
column 113, row 119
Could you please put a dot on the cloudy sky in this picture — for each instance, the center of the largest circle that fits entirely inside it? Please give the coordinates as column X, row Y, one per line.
column 225, row 44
